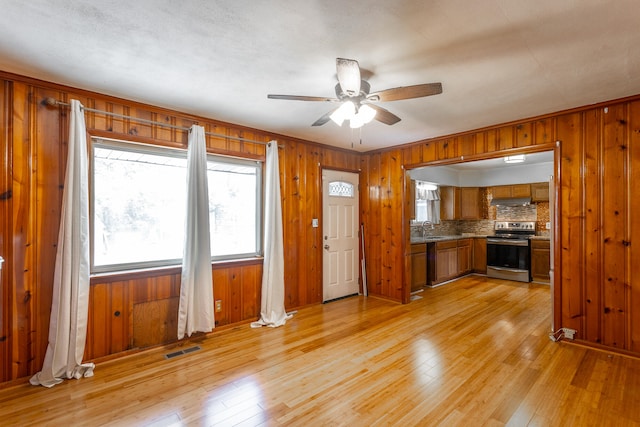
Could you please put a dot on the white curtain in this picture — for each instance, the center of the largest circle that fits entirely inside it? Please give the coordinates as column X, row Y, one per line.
column 195, row 312
column 433, row 206
column 272, row 312
column 70, row 303
column 431, row 202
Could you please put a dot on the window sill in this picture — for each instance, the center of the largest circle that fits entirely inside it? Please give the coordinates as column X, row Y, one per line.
column 118, row 276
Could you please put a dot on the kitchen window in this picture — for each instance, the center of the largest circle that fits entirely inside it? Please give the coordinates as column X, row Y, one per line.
column 138, row 206
column 427, row 201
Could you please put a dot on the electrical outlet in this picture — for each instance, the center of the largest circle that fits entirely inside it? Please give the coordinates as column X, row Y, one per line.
column 569, row 333
column 548, row 226
column 218, row 306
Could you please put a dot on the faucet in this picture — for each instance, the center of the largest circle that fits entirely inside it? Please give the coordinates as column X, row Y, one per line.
column 424, row 226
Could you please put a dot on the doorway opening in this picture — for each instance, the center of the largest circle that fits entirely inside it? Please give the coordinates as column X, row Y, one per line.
column 485, row 173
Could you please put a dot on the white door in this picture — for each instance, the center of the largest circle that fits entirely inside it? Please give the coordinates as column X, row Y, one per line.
column 340, row 256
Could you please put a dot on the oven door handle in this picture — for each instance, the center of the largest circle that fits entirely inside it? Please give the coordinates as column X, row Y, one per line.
column 508, row 242
column 511, row 270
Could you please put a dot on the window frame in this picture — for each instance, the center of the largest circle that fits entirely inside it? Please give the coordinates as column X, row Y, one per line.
column 162, row 150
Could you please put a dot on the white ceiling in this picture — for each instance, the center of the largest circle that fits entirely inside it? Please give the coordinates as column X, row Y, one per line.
column 498, row 162
column 498, row 60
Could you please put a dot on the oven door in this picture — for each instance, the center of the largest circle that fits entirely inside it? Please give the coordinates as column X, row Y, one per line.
column 508, row 259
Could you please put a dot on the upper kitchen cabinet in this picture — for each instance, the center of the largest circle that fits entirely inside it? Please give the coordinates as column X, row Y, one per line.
column 540, row 192
column 412, row 197
column 511, row 191
column 471, row 203
column 449, row 203
column 460, row 203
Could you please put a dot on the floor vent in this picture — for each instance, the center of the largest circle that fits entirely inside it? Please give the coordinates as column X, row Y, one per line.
column 181, row 352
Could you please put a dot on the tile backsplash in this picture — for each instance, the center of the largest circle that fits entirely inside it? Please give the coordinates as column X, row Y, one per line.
column 538, row 212
column 517, row 213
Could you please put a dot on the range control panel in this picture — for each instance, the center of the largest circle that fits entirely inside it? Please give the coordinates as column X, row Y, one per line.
column 515, row 226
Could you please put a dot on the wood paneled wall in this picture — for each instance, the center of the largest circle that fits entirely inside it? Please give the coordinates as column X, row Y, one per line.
column 596, row 262
column 129, row 311
column 597, row 265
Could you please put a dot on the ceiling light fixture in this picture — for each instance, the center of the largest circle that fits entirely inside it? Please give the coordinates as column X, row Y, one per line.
column 357, row 117
column 518, row 158
column 345, row 112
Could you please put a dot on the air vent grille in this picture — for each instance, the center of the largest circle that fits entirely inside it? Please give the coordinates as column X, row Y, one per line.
column 181, row 352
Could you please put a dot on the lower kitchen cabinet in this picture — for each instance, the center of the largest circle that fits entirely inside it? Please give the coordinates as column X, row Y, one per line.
column 540, row 260
column 480, row 255
column 464, row 256
column 418, row 266
column 447, row 260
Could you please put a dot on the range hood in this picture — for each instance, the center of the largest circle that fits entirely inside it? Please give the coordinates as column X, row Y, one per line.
column 515, row 201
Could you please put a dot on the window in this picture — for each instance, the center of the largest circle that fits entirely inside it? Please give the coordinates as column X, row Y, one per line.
column 139, row 205
column 341, row 189
column 427, row 202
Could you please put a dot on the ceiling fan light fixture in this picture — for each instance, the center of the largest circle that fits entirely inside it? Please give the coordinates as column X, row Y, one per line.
column 518, row 158
column 356, row 122
column 357, row 100
column 366, row 113
column 345, row 112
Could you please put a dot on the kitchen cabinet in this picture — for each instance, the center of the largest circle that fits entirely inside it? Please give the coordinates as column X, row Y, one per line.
column 511, row 191
column 480, row 255
column 464, row 256
column 540, row 260
column 418, row 266
column 501, row 191
column 470, row 203
column 446, row 262
column 540, row 192
column 521, row 190
column 460, row 203
column 449, row 203
column 448, row 259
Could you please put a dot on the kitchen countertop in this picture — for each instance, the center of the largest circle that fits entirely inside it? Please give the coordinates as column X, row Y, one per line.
column 432, row 239
column 540, row 238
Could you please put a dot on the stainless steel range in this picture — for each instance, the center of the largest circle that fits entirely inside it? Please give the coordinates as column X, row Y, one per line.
column 509, row 250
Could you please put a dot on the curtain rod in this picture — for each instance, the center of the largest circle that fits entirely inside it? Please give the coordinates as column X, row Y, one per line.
column 54, row 102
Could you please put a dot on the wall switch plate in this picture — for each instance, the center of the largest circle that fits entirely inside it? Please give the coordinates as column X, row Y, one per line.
column 314, row 222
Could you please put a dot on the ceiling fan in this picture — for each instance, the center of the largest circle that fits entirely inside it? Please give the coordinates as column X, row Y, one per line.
column 357, row 102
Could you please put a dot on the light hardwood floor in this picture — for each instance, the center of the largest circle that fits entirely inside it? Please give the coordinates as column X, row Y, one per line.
column 472, row 352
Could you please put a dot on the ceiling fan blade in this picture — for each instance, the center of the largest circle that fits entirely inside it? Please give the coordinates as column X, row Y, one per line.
column 324, row 119
column 407, row 92
column 302, row 98
column 348, row 72
column 384, row 116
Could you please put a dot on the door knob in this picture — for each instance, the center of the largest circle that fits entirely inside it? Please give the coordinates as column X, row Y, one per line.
column 326, row 247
